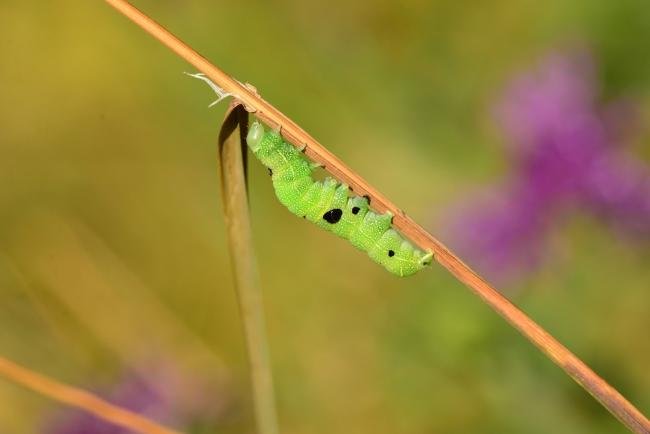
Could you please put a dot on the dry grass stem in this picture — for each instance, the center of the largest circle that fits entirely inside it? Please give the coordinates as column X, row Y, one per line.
column 572, row 365
column 80, row 399
column 74, row 268
column 232, row 160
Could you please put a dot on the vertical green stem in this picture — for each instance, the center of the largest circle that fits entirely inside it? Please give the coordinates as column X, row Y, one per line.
column 232, row 159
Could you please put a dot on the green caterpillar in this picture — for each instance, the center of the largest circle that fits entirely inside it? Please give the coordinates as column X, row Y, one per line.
column 328, row 204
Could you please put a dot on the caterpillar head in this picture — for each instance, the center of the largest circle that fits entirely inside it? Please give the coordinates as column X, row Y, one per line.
column 255, row 135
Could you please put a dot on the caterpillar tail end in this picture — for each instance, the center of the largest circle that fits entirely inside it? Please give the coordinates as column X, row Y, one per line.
column 426, row 259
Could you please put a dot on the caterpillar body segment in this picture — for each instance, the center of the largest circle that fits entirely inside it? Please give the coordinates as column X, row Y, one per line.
column 329, row 205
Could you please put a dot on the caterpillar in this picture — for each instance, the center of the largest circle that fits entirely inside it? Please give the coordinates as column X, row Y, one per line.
column 329, row 205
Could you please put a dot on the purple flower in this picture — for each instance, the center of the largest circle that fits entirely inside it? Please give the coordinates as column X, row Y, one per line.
column 566, row 153
column 155, row 391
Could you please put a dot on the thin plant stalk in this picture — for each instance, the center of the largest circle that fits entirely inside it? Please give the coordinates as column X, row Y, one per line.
column 609, row 397
column 80, row 399
column 232, row 160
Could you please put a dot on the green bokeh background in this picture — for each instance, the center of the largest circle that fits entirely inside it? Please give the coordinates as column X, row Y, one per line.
column 112, row 242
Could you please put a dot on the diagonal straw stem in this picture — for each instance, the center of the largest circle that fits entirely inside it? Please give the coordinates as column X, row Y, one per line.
column 80, row 399
column 609, row 397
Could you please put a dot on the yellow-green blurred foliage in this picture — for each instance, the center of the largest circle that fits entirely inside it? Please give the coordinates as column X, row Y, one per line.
column 112, row 243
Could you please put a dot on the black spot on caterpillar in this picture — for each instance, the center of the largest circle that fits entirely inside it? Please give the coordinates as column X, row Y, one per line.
column 333, row 216
column 329, row 205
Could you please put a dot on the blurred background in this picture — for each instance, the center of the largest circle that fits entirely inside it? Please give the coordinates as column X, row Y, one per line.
column 516, row 131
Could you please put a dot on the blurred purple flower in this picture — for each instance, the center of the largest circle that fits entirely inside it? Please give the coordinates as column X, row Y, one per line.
column 155, row 391
column 566, row 153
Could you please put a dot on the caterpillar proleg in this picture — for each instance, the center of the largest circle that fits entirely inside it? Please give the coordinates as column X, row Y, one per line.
column 329, row 205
